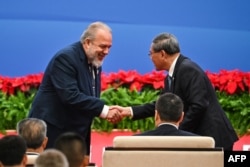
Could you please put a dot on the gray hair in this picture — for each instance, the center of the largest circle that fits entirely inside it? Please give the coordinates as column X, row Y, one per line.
column 51, row 158
column 91, row 30
column 167, row 42
column 33, row 131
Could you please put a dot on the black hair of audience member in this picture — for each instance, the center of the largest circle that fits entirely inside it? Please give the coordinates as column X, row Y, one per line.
column 12, row 150
column 73, row 146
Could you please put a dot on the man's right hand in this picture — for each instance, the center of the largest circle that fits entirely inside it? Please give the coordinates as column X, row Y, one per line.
column 124, row 111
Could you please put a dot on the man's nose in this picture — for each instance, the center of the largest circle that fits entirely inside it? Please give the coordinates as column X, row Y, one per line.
column 106, row 50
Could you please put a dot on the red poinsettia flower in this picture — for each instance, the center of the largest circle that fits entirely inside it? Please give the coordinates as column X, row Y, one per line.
column 155, row 78
column 128, row 76
column 233, row 81
column 246, row 80
column 136, row 86
column 230, row 81
column 213, row 77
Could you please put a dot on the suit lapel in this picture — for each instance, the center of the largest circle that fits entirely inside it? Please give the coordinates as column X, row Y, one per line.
column 86, row 74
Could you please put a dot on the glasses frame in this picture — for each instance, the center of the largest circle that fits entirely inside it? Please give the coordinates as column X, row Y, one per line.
column 151, row 53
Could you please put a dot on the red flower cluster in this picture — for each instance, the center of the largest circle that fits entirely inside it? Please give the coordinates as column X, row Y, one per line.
column 133, row 80
column 228, row 81
column 232, row 82
column 10, row 85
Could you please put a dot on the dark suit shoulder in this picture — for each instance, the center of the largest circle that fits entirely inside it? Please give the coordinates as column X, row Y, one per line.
column 71, row 49
column 72, row 53
column 166, row 130
column 186, row 133
column 185, row 64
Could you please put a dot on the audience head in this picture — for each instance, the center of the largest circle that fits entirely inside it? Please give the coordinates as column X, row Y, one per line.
column 169, row 108
column 51, row 158
column 34, row 132
column 13, row 151
column 73, row 146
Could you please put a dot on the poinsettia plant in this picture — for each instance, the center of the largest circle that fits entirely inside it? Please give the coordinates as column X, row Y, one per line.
column 133, row 80
column 128, row 88
column 24, row 84
column 231, row 82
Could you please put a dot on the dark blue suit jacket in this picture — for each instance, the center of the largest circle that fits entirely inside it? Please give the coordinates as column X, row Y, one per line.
column 166, row 130
column 203, row 113
column 65, row 97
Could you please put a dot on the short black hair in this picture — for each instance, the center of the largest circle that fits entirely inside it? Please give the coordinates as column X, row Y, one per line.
column 169, row 107
column 73, row 146
column 12, row 150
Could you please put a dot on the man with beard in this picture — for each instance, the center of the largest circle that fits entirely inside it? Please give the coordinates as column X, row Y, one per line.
column 68, row 98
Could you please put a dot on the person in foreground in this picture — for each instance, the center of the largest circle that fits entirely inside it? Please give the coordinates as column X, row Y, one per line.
column 74, row 148
column 168, row 115
column 12, row 151
column 68, row 98
column 51, row 158
column 33, row 131
column 203, row 114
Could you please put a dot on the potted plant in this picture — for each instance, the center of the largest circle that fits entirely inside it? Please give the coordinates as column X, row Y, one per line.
column 128, row 88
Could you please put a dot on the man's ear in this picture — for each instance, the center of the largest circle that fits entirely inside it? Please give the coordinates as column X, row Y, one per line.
column 25, row 160
column 181, row 117
column 156, row 115
column 157, row 118
column 86, row 160
column 87, row 41
column 162, row 52
column 45, row 141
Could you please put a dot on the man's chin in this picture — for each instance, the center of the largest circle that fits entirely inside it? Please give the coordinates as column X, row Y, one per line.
column 97, row 64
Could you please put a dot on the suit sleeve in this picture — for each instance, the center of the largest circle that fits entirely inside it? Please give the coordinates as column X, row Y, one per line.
column 143, row 111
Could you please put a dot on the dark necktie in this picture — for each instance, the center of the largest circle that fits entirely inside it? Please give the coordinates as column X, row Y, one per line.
column 92, row 71
column 169, row 82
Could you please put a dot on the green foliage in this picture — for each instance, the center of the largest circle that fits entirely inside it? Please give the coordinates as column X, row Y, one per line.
column 14, row 108
column 237, row 108
column 124, row 97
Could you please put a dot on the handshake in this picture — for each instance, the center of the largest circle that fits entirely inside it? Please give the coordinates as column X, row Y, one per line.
column 117, row 113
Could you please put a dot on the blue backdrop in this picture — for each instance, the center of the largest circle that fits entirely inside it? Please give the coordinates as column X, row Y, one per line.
column 215, row 34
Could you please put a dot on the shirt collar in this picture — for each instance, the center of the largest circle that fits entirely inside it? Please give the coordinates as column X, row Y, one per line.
column 32, row 153
column 171, row 70
column 168, row 124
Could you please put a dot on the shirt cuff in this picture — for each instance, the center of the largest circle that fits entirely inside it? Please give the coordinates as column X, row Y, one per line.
column 104, row 112
column 131, row 112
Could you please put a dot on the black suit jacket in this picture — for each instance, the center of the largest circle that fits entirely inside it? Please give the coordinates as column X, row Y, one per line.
column 65, row 97
column 166, row 130
column 203, row 113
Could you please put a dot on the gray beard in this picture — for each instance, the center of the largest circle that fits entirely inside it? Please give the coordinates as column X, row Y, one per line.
column 97, row 64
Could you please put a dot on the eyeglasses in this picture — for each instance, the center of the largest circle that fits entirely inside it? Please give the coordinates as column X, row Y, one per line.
column 151, row 53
